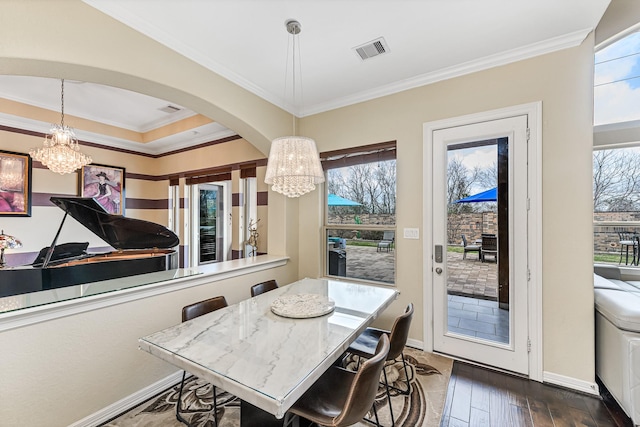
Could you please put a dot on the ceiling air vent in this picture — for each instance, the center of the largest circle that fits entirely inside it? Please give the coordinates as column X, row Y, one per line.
column 373, row 48
column 170, row 109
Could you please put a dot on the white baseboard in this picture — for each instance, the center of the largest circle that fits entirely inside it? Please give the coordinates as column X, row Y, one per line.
column 115, row 409
column 572, row 383
column 415, row 344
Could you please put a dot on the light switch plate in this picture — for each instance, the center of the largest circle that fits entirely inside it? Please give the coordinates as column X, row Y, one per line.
column 411, row 233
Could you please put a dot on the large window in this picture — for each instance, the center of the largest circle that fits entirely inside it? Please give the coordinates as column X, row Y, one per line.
column 616, row 161
column 616, row 203
column 361, row 213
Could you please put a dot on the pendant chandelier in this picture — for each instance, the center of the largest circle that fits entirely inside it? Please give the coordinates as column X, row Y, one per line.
column 293, row 167
column 61, row 151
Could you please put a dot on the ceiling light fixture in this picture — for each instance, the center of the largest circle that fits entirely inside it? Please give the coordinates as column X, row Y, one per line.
column 293, row 167
column 61, row 151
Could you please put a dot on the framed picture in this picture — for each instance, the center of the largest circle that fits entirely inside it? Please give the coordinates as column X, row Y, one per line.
column 105, row 184
column 15, row 184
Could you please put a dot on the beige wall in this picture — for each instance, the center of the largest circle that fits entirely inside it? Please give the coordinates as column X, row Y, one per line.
column 89, row 366
column 92, row 360
column 58, row 372
column 563, row 82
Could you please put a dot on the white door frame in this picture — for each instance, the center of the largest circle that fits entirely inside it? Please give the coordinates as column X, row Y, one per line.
column 534, row 244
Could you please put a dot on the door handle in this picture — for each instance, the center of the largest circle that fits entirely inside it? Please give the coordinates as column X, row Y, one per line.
column 438, row 270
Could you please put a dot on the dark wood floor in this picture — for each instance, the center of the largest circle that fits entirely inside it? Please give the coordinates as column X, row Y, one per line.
column 480, row 397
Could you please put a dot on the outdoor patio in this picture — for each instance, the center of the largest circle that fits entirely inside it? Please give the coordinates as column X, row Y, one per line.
column 472, row 290
column 467, row 277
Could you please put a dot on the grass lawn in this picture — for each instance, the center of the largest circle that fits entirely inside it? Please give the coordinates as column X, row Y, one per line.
column 607, row 258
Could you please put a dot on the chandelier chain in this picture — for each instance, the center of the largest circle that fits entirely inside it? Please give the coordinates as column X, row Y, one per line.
column 293, row 167
column 62, row 101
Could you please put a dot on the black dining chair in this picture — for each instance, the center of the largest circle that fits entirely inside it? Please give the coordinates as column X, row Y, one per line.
column 189, row 312
column 364, row 346
column 261, row 288
column 340, row 397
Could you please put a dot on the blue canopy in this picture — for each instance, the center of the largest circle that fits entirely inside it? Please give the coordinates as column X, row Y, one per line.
column 486, row 196
column 334, row 200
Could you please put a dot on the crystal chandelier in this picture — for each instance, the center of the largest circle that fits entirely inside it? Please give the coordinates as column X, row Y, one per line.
column 61, row 151
column 293, row 167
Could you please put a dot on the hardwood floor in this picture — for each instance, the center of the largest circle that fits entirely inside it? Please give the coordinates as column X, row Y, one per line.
column 480, row 397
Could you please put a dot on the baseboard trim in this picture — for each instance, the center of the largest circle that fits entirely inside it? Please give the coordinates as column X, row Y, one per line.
column 571, row 383
column 415, row 344
column 123, row 405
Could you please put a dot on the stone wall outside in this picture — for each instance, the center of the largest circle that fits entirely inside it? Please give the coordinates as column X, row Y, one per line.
column 605, row 237
column 472, row 225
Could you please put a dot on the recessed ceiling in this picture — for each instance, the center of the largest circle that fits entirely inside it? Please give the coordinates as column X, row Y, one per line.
column 247, row 43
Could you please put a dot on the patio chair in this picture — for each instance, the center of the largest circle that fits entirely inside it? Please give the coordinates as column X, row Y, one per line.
column 628, row 238
column 388, row 237
column 469, row 248
column 489, row 247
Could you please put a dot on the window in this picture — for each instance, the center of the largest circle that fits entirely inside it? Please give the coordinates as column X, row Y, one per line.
column 616, row 203
column 616, row 171
column 360, row 212
column 617, row 81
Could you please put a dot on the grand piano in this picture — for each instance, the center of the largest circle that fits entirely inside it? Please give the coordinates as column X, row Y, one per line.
column 140, row 247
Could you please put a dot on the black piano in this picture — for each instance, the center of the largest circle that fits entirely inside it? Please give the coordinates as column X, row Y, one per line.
column 141, row 247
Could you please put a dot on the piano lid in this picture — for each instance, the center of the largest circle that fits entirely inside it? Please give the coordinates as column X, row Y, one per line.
column 118, row 231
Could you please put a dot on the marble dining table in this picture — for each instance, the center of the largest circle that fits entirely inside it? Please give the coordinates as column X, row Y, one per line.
column 270, row 360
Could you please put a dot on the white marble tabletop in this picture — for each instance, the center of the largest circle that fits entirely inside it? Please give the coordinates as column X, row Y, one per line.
column 265, row 359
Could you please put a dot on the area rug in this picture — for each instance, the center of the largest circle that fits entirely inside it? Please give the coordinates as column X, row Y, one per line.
column 429, row 375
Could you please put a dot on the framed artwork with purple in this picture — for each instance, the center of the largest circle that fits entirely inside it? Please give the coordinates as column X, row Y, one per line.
column 15, row 184
column 105, row 184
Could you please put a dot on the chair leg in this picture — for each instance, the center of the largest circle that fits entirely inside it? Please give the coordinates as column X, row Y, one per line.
column 375, row 414
column 178, row 410
column 386, row 383
column 626, row 260
column 407, row 378
column 215, row 406
column 621, row 249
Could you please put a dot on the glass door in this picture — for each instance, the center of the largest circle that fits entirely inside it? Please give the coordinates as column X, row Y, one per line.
column 210, row 225
column 480, row 243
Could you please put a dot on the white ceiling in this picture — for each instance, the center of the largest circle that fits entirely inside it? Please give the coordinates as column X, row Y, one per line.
column 246, row 42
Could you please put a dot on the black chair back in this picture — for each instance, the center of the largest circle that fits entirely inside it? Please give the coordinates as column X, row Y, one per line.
column 400, row 333
column 263, row 287
column 196, row 309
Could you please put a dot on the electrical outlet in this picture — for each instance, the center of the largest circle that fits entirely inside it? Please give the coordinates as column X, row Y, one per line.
column 411, row 233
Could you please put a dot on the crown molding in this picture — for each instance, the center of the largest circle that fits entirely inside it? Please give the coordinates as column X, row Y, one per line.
column 503, row 58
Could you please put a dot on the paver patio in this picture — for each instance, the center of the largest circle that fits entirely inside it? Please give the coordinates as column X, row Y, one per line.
column 467, row 277
column 472, row 277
